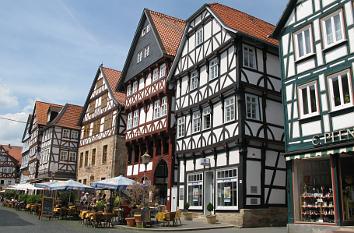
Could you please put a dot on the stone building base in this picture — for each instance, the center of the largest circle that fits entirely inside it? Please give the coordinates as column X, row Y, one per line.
column 269, row 217
column 313, row 228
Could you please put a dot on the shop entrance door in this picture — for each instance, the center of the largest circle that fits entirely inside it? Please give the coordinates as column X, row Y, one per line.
column 208, row 190
column 347, row 189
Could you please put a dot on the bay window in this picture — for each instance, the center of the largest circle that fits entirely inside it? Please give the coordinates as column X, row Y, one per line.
column 308, row 99
column 303, row 42
column 229, row 109
column 196, row 121
column 340, row 87
column 332, row 28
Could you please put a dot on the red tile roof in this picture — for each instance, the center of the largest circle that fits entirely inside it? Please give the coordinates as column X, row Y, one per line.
column 244, row 23
column 69, row 117
column 42, row 111
column 170, row 30
column 14, row 151
column 113, row 77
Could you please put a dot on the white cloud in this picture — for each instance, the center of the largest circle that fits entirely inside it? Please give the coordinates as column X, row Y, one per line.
column 11, row 132
column 6, row 98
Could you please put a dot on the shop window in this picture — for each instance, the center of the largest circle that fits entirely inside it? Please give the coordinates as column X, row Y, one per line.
column 313, row 193
column 347, row 174
column 303, row 42
column 195, row 189
column 332, row 28
column 226, row 188
column 308, row 99
column 340, row 87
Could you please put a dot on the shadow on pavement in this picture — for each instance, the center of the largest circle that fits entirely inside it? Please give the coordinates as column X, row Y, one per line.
column 8, row 218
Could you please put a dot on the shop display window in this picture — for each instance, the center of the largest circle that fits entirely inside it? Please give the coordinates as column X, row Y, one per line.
column 227, row 188
column 313, row 191
column 195, row 189
column 347, row 174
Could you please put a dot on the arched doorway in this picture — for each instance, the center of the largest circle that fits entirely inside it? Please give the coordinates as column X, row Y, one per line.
column 161, row 181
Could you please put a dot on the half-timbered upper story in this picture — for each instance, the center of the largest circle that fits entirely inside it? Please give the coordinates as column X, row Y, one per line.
column 25, row 141
column 317, row 53
column 10, row 160
column 60, row 141
column 103, row 110
column 227, row 81
column 145, row 72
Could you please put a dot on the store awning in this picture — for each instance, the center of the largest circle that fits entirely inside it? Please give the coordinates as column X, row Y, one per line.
column 317, row 154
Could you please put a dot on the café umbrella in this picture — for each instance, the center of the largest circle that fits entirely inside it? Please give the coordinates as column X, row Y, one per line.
column 68, row 185
column 113, row 183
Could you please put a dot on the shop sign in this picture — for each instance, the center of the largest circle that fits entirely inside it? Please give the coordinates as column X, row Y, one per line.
column 332, row 137
column 205, row 162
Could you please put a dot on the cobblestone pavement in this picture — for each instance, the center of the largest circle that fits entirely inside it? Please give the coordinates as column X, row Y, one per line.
column 12, row 221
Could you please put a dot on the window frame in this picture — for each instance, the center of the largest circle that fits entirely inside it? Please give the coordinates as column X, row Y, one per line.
column 66, row 133
column 129, row 90
column 162, row 72
column 301, row 101
column 257, row 109
column 72, row 156
column 248, row 47
column 340, row 83
column 136, row 118
column 196, row 122
column 163, row 111
column 324, row 29
column 206, row 113
column 63, row 155
column 214, row 68
column 157, row 112
column 155, row 75
column 147, row 51
column 139, row 57
column 199, row 36
column 130, row 121
column 232, row 105
column 181, row 127
column 296, row 42
column 194, row 81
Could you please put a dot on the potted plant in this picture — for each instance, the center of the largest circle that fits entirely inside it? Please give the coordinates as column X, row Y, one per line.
column 187, row 215
column 100, row 205
column 211, row 218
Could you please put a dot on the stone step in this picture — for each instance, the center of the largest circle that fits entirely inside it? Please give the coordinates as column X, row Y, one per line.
column 344, row 230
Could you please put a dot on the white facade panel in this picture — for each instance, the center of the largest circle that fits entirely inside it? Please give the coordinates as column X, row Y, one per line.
column 336, row 53
column 274, row 107
column 218, row 118
column 311, row 128
column 271, row 158
column 280, row 178
column 304, row 9
column 305, row 65
column 273, row 65
column 221, row 161
column 189, row 165
column 254, row 153
column 234, row 157
column 342, row 122
column 253, row 176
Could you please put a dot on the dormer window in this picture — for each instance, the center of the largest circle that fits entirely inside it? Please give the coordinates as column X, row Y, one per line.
column 66, row 133
column 146, row 51
column 139, row 57
column 145, row 30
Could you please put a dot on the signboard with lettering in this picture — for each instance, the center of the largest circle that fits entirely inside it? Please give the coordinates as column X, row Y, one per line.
column 333, row 137
column 205, row 162
column 47, row 207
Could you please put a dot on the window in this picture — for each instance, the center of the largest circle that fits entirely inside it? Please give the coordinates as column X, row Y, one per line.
column 146, row 51
column 308, row 99
column 252, row 110
column 139, row 57
column 130, row 121
column 96, row 127
column 199, row 37
column 104, row 154
column 63, row 156
column 162, row 70
column 194, row 81
column 86, row 131
column 86, row 158
column 196, row 121
column 206, row 118
column 66, row 133
column 72, row 156
column 108, row 121
column 136, row 118
column 303, row 42
column 181, row 127
column 104, row 100
column 81, row 159
column 195, row 189
column 164, row 106
column 226, row 188
column 148, row 28
column 74, row 134
column 341, row 93
column 213, row 69
column 135, row 87
column 229, row 109
column 156, row 109
column 155, row 74
column 249, row 57
column 145, row 30
column 332, row 27
column 129, row 90
column 93, row 157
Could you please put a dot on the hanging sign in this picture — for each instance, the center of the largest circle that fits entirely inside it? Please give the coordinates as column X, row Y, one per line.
column 332, row 137
column 205, row 162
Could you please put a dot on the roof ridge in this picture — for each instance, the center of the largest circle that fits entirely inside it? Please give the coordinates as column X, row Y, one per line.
column 248, row 14
column 111, row 69
column 165, row 15
column 76, row 105
column 40, row 101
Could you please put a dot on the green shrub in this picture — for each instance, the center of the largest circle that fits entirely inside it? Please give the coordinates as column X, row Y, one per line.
column 100, row 205
column 210, row 207
column 9, row 194
column 33, row 199
column 117, row 201
column 186, row 206
column 23, row 198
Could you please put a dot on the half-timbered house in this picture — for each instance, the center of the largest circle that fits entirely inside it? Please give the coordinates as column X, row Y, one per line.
column 60, row 142
column 229, row 120
column 24, row 172
column 10, row 160
column 317, row 61
column 148, row 100
column 102, row 151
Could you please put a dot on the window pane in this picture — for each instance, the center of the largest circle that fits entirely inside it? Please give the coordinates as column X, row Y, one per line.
column 251, row 56
column 336, row 93
column 307, row 41
column 245, row 57
column 329, row 31
column 346, row 93
column 313, row 98
column 337, row 27
column 305, row 101
column 300, row 44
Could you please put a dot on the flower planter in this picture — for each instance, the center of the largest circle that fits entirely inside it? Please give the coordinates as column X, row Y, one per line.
column 211, row 219
column 137, row 218
column 130, row 221
column 188, row 216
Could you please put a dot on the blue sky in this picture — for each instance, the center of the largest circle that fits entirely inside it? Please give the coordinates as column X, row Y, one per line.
column 50, row 50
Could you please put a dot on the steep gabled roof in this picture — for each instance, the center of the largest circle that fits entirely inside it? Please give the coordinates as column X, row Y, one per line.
column 113, row 78
column 27, row 127
column 68, row 117
column 244, row 23
column 14, row 151
column 169, row 29
column 41, row 109
column 284, row 18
